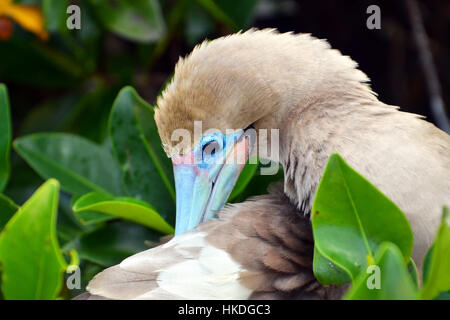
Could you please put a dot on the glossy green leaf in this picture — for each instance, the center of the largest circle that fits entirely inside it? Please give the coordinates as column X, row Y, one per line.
column 427, row 264
column 394, row 280
column 116, row 241
column 32, row 262
column 80, row 165
column 88, row 217
column 351, row 218
column 138, row 149
column 7, row 209
column 326, row 272
column 413, row 272
column 438, row 277
column 55, row 15
column 147, row 125
column 93, row 217
column 127, row 208
column 244, row 179
column 137, row 20
column 89, row 115
column 259, row 184
column 5, row 137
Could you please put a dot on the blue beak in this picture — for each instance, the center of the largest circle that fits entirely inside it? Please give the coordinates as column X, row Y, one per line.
column 205, row 177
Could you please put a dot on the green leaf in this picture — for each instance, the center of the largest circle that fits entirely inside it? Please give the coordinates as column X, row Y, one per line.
column 326, row 272
column 89, row 115
column 93, row 217
column 116, row 241
column 5, row 137
column 69, row 228
column 413, row 272
column 394, row 280
column 7, row 209
column 127, row 208
column 32, row 262
column 198, row 24
column 74, row 258
column 258, row 184
column 443, row 296
column 438, row 279
column 55, row 15
column 217, row 13
column 146, row 169
column 137, row 20
column 427, row 264
column 80, row 165
column 240, row 11
column 87, row 217
column 244, row 179
column 351, row 218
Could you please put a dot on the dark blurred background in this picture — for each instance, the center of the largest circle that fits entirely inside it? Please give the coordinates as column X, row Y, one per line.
column 66, row 81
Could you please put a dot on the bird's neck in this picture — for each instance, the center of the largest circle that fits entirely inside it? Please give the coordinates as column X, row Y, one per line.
column 326, row 105
column 336, row 121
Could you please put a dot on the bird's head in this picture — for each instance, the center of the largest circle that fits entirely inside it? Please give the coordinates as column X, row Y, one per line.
column 223, row 88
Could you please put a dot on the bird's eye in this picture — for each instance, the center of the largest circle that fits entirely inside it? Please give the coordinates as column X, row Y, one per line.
column 211, row 148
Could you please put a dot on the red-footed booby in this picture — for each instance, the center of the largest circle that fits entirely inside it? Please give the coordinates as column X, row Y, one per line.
column 320, row 103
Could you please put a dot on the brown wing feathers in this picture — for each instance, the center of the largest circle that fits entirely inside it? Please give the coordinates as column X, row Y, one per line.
column 271, row 239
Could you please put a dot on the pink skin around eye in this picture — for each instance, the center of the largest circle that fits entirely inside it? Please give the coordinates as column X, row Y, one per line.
column 184, row 159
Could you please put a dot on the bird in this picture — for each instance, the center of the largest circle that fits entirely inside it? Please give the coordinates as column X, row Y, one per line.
column 258, row 249
column 318, row 103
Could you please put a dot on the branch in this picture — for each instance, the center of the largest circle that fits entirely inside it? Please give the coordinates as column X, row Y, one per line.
column 428, row 66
